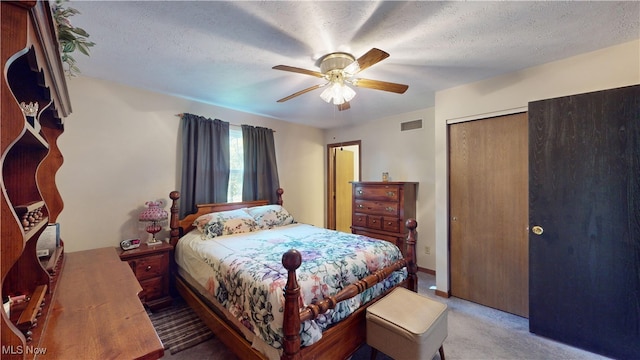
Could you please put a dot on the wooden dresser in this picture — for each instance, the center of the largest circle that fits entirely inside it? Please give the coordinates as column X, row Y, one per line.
column 380, row 209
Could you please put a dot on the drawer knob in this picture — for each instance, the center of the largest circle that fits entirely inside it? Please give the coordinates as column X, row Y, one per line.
column 390, row 209
column 148, row 267
column 374, row 221
column 391, row 193
column 360, row 192
column 360, row 206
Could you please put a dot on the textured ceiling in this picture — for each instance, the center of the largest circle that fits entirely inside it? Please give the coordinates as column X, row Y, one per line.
column 222, row 53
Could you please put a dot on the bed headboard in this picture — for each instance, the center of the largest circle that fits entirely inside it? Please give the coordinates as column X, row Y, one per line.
column 180, row 227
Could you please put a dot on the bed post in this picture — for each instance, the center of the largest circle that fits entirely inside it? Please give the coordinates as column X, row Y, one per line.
column 291, row 327
column 412, row 267
column 279, row 191
column 174, row 221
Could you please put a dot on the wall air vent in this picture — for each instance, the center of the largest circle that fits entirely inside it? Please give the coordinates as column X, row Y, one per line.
column 411, row 125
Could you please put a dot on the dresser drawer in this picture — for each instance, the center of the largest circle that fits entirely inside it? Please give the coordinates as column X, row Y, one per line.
column 374, row 222
column 378, row 192
column 152, row 288
column 377, row 207
column 391, row 224
column 359, row 220
column 149, row 266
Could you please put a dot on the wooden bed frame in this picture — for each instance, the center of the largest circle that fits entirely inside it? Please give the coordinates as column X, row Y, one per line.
column 338, row 342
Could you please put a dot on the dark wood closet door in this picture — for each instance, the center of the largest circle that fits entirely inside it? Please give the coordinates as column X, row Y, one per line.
column 585, row 197
column 488, row 208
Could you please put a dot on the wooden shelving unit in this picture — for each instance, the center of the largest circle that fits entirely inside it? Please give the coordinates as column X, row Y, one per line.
column 34, row 78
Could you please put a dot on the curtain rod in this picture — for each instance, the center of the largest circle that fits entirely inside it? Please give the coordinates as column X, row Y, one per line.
column 180, row 115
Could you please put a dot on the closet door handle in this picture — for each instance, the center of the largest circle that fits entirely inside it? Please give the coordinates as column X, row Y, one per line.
column 538, row 230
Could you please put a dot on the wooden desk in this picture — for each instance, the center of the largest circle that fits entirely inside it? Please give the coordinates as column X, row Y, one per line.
column 96, row 312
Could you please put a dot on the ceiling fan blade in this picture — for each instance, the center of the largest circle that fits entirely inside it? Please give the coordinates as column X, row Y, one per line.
column 380, row 85
column 344, row 106
column 298, row 70
column 301, row 92
column 372, row 57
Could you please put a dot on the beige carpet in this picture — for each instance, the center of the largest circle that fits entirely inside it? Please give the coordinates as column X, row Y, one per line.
column 475, row 333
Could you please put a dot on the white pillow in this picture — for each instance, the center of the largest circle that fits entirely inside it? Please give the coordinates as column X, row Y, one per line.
column 270, row 216
column 225, row 223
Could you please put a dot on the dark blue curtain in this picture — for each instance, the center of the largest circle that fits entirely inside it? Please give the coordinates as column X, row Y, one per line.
column 205, row 162
column 260, row 168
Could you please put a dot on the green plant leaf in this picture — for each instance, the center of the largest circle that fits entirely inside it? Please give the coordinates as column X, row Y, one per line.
column 83, row 49
column 80, row 31
column 70, row 38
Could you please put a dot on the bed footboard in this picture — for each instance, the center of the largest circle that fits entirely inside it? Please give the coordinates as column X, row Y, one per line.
column 293, row 317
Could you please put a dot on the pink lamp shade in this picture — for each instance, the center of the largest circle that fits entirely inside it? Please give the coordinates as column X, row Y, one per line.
column 155, row 218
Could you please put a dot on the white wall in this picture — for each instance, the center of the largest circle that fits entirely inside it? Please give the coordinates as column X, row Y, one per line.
column 612, row 67
column 406, row 156
column 120, row 149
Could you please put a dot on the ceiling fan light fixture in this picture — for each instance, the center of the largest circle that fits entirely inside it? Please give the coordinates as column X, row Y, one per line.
column 327, row 94
column 338, row 94
column 339, row 70
column 348, row 93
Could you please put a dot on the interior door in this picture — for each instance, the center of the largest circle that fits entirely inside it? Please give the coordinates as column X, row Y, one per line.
column 344, row 171
column 488, row 207
column 585, row 211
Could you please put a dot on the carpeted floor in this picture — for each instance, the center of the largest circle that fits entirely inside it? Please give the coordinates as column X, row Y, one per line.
column 475, row 333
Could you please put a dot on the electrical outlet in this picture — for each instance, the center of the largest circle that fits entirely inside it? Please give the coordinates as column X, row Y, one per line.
column 427, row 250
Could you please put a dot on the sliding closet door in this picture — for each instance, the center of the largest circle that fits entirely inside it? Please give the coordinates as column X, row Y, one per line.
column 585, row 221
column 488, row 207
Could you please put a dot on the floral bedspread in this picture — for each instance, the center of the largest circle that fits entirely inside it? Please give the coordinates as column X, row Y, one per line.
column 248, row 276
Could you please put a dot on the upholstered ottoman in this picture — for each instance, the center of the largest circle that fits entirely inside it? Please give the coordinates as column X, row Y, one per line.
column 407, row 325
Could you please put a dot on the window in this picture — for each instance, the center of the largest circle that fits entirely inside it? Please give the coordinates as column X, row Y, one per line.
column 234, row 194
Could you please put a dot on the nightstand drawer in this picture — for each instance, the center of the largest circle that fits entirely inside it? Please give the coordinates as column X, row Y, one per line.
column 152, row 288
column 149, row 266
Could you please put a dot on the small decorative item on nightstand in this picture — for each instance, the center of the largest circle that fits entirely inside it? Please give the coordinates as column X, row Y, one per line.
column 154, row 217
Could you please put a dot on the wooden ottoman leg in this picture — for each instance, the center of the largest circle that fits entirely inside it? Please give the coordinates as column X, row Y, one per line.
column 441, row 351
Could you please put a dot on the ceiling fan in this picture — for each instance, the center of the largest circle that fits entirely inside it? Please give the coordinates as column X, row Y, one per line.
column 339, row 70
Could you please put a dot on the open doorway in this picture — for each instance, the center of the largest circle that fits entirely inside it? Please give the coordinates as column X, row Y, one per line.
column 344, row 166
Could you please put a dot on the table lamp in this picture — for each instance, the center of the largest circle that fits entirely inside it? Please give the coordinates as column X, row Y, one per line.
column 154, row 217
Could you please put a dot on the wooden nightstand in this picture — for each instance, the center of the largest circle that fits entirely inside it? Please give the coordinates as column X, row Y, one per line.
column 150, row 264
